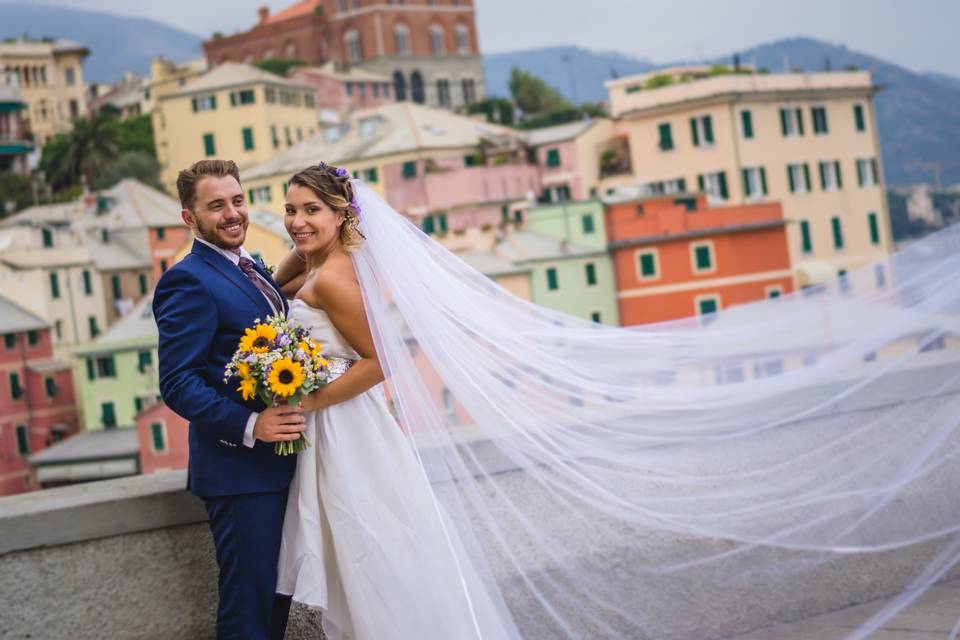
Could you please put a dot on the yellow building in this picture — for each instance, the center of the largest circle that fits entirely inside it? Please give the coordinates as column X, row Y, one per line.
column 49, row 75
column 807, row 140
column 235, row 111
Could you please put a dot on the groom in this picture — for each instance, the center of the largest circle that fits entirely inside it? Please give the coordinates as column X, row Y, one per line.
column 202, row 306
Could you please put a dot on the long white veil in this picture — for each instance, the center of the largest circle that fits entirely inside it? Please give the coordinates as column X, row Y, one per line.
column 685, row 479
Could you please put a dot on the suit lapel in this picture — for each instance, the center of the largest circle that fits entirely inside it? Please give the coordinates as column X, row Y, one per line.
column 266, row 275
column 232, row 273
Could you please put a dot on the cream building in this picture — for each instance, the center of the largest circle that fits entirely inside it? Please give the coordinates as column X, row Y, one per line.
column 236, row 112
column 807, row 140
column 49, row 75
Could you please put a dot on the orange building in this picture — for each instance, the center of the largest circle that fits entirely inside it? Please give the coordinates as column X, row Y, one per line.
column 675, row 257
column 162, row 435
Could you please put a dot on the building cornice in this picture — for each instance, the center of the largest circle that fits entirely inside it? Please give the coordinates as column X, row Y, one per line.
column 697, row 233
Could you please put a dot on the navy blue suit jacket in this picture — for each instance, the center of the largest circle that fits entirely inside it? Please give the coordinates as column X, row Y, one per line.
column 202, row 306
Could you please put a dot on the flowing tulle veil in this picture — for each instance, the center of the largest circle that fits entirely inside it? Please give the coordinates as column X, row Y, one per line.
column 686, row 479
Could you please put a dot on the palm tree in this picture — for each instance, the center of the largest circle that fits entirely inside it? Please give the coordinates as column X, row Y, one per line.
column 78, row 156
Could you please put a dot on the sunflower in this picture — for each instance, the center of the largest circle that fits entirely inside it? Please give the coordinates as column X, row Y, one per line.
column 285, row 378
column 243, row 370
column 310, row 347
column 258, row 339
column 247, row 388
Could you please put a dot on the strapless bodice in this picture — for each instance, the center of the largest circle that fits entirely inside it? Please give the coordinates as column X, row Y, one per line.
column 318, row 325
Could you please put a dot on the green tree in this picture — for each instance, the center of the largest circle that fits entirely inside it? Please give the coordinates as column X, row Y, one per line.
column 563, row 116
column 533, row 95
column 279, row 66
column 138, row 165
column 497, row 110
column 69, row 158
column 136, row 134
column 15, row 193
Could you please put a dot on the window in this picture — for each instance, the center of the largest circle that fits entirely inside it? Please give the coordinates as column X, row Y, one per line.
column 351, row 42
column 428, row 225
column 714, row 184
column 773, row 291
column 163, row 266
column 23, row 440
column 204, row 103
column 50, row 386
column 401, row 39
column 443, row 92
column 596, row 317
column 289, row 138
column 469, row 86
column 9, row 340
column 837, row 233
column 92, row 326
column 462, row 36
column 16, row 391
column 767, row 368
column 115, row 287
column 399, row 86
column 416, row 88
column 666, row 136
column 260, row 195
column 341, row 6
column 798, row 177
column 437, row 37
column 370, row 175
column 144, row 361
column 867, row 172
column 874, row 223
column 858, row 118
column 274, row 137
column 209, row 148
column 647, row 265
column 830, row 179
column 553, row 157
column 105, row 367
column 702, row 253
column 161, row 233
column 707, row 306
column 728, row 373
column 746, row 124
column 108, row 415
column 58, row 329
column 33, row 338
column 270, row 95
column 410, row 169
column 754, row 182
column 246, row 96
column 308, row 100
column 701, row 129
column 70, row 76
column 819, row 117
column 552, row 282
column 47, row 238
column 54, row 285
column 586, row 222
column 669, row 187
column 442, row 223
column 806, row 243
column 590, row 270
column 158, row 437
column 142, row 278
column 247, row 133
column 87, row 283
column 791, row 121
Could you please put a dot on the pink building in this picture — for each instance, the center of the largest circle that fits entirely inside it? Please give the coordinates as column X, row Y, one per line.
column 340, row 91
column 37, row 404
column 162, row 435
column 573, row 157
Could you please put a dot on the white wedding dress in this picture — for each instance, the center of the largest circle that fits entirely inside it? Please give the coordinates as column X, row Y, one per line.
column 362, row 536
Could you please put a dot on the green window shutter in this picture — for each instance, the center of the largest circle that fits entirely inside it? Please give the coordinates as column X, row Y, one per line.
column 428, row 225
column 587, row 222
column 9, row 340
column 763, row 180
column 682, row 184
column 505, row 214
column 591, row 272
column 156, row 432
column 858, row 117
column 724, row 193
column 595, row 316
column 23, row 440
column 648, row 266
column 16, row 391
column 410, row 169
column 194, row 103
column 874, row 228
column 836, row 171
column 247, row 139
column 806, row 176
column 807, row 243
column 54, row 285
column 47, row 238
column 108, row 415
column 92, row 325
column 552, row 283
column 33, row 338
column 703, row 257
column 372, row 175
column 553, row 158
column 518, row 216
column 209, row 147
column 87, row 283
column 837, row 233
column 137, row 406
column 144, row 360
column 708, row 129
column 50, row 385
column 701, row 186
column 213, row 102
column 91, row 372
column 161, row 232
column 823, row 120
column 799, row 121
column 250, row 196
column 823, row 175
column 666, row 137
column 746, row 119
column 876, row 171
column 860, row 176
column 143, row 283
column 115, row 287
column 783, row 122
column 442, row 222
column 694, row 133
column 233, row 98
column 790, row 180
column 707, row 306
column 274, row 137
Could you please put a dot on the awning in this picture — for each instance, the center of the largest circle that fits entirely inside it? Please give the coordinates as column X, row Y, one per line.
column 814, row 272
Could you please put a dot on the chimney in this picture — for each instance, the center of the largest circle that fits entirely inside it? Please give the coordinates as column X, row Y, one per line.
column 264, row 13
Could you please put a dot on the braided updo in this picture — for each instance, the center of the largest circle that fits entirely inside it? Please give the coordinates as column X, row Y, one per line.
column 334, row 187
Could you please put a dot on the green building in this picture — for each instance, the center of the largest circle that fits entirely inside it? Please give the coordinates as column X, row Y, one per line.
column 116, row 374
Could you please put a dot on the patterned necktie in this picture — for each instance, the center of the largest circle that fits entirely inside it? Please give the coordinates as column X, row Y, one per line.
column 246, row 265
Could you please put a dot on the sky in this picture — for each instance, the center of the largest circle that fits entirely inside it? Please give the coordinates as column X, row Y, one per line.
column 920, row 35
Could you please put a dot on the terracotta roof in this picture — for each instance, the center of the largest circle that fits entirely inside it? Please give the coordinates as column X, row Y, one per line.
column 296, row 10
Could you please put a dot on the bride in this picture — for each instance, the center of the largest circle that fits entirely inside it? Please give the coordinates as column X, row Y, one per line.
column 542, row 476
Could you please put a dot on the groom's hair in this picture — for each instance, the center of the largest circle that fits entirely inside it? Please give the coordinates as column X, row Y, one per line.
column 188, row 178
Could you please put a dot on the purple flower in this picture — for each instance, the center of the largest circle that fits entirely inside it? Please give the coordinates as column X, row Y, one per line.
column 342, row 173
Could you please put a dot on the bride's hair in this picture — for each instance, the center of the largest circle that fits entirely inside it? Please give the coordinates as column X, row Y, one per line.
column 334, row 187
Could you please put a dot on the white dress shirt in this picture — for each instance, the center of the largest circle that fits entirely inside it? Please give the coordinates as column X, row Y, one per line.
column 248, row 439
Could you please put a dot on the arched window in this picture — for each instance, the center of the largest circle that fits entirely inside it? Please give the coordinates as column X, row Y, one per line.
column 462, row 36
column 401, row 39
column 469, row 90
column 399, row 86
column 443, row 93
column 437, row 45
column 351, row 42
column 416, row 88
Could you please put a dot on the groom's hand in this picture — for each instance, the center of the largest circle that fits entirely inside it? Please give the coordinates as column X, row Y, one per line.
column 276, row 424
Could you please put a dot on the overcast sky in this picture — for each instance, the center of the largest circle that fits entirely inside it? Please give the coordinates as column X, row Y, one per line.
column 922, row 35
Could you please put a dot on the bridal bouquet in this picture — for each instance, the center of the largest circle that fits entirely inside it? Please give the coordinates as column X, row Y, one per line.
column 278, row 362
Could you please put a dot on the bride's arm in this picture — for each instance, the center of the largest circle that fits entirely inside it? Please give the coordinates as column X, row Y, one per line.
column 337, row 292
column 290, row 274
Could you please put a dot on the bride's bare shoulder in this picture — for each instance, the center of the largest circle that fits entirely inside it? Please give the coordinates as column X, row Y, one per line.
column 335, row 284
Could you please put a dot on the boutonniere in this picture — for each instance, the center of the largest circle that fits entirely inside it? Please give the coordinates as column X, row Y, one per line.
column 269, row 268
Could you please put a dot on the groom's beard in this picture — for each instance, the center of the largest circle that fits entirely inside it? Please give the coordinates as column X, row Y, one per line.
column 212, row 233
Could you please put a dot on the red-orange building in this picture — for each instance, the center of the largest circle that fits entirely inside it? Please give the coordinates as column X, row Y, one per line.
column 675, row 257
column 162, row 435
column 428, row 48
